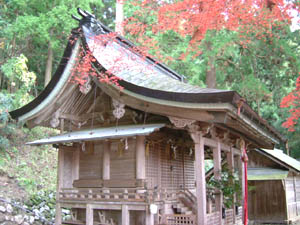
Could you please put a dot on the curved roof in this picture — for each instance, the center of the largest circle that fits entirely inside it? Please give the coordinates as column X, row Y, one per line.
column 145, row 76
column 140, row 75
column 55, row 80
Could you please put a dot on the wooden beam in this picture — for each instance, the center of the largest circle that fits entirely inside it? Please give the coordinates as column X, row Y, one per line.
column 83, row 117
column 200, row 177
column 140, row 158
column 156, row 108
column 125, row 215
column 217, row 174
column 106, row 160
column 226, row 148
column 89, row 215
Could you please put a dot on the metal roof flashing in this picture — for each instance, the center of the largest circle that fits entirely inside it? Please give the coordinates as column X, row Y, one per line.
column 100, row 134
column 266, row 174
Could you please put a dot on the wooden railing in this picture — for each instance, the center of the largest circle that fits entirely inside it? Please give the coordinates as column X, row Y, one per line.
column 177, row 219
column 81, row 194
column 116, row 194
column 213, row 218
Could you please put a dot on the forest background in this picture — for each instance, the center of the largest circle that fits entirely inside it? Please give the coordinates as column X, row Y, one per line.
column 260, row 60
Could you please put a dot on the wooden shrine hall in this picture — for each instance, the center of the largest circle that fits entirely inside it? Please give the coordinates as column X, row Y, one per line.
column 133, row 152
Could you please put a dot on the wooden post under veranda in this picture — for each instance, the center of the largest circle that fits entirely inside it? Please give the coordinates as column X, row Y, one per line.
column 200, row 177
column 217, row 174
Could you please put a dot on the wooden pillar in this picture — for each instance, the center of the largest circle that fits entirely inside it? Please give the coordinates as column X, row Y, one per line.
column 230, row 161
column 89, row 215
column 106, row 161
column 217, row 174
column 125, row 215
column 295, row 193
column 287, row 208
column 75, row 163
column 60, row 168
column 58, row 214
column 140, row 158
column 200, row 177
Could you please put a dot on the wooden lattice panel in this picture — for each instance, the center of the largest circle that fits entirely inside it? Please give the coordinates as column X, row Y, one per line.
column 152, row 166
column 178, row 219
column 213, row 218
column 167, row 169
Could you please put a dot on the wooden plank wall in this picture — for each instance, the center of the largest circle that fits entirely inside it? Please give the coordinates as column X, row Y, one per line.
column 122, row 164
column 90, row 163
column 256, row 160
column 67, row 169
column 292, row 185
column 266, row 200
column 164, row 169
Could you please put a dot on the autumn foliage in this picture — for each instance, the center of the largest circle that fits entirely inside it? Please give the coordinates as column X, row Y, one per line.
column 251, row 19
column 292, row 101
column 196, row 17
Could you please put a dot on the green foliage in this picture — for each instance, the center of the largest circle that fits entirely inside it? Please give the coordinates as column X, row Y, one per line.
column 16, row 69
column 30, row 27
column 24, row 162
column 21, row 80
column 5, row 106
column 229, row 185
column 5, row 129
column 21, row 84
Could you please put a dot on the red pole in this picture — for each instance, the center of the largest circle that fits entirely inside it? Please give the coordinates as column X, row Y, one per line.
column 245, row 160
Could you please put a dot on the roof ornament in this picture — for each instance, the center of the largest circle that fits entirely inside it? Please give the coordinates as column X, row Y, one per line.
column 89, row 19
column 54, row 122
column 119, row 109
column 86, row 87
column 180, row 122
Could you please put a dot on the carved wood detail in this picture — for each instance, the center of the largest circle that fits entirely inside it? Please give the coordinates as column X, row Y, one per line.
column 119, row 109
column 180, row 122
column 86, row 87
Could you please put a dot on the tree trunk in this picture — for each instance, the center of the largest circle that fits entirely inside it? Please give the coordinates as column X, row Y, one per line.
column 211, row 76
column 119, row 17
column 49, row 65
column 258, row 106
